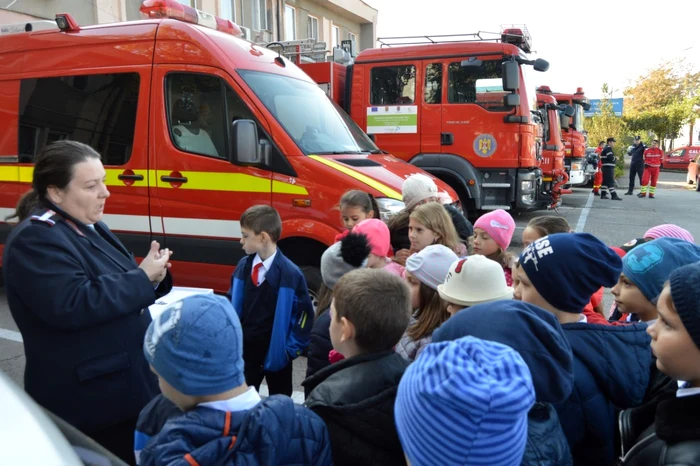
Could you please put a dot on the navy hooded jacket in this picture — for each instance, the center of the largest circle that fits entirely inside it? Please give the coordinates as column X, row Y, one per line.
column 275, row 432
column 539, row 339
column 612, row 366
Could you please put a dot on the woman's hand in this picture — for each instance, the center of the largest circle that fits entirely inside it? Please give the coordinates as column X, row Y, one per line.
column 156, row 263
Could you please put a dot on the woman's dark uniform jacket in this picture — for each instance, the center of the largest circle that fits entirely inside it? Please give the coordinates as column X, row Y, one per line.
column 80, row 302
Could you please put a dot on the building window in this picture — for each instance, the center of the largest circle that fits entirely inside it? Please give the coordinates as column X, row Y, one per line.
column 352, row 37
column 312, row 28
column 97, row 109
column 290, row 23
column 393, row 85
column 228, row 9
column 188, row 3
column 260, row 15
column 336, row 36
column 433, row 84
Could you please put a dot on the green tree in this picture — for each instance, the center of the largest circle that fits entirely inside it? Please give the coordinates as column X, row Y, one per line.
column 606, row 124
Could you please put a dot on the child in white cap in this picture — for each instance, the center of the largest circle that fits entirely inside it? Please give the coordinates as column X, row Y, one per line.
column 425, row 271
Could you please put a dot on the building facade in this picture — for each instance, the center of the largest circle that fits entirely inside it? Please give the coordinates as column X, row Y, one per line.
column 329, row 21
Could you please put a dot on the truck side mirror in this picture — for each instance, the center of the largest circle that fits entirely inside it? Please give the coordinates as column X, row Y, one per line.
column 564, row 120
column 541, row 65
column 511, row 100
column 569, row 111
column 245, row 148
column 511, row 76
column 586, row 106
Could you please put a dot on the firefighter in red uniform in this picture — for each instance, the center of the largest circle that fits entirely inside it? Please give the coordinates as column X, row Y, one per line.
column 598, row 178
column 652, row 165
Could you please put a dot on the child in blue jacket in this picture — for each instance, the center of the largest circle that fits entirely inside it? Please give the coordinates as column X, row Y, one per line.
column 270, row 296
column 195, row 349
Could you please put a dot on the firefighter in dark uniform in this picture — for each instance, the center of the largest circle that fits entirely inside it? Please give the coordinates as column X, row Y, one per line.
column 80, row 300
column 608, row 158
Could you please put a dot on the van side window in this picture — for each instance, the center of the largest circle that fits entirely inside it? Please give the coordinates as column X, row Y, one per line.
column 393, row 85
column 97, row 109
column 479, row 85
column 433, row 84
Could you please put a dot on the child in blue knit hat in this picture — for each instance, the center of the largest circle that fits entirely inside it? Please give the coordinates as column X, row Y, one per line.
column 465, row 402
column 644, row 271
column 667, row 429
column 612, row 364
column 196, row 349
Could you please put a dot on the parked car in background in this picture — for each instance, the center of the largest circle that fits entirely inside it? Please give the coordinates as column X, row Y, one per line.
column 680, row 158
column 694, row 172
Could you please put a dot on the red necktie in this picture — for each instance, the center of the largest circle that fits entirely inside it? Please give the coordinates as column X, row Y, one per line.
column 254, row 275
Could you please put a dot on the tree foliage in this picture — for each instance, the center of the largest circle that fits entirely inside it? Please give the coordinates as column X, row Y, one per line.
column 605, row 124
column 663, row 101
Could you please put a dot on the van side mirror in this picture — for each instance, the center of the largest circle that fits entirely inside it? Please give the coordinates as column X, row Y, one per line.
column 511, row 100
column 541, row 65
column 569, row 111
column 245, row 148
column 511, row 76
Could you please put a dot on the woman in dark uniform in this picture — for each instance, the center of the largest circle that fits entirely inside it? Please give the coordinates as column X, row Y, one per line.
column 80, row 300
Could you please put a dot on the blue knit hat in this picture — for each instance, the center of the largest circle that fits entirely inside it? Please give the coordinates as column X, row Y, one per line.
column 196, row 345
column 649, row 265
column 531, row 331
column 567, row 268
column 464, row 402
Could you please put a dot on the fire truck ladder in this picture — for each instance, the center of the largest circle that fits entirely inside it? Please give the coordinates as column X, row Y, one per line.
column 510, row 34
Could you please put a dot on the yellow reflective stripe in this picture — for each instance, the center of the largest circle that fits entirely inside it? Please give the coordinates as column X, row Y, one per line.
column 303, row 321
column 371, row 182
column 204, row 181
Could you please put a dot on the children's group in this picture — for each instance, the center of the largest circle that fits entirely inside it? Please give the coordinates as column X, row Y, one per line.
column 431, row 344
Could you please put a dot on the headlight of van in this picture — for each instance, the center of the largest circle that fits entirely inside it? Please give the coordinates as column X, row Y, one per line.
column 389, row 207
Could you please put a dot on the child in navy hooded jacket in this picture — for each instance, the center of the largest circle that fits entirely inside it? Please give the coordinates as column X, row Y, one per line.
column 537, row 336
column 611, row 363
column 195, row 349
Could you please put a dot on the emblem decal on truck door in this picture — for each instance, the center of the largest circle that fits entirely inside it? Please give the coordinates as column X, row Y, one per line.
column 485, row 145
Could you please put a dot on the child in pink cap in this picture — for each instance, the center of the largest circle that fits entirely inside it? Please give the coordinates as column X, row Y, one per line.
column 379, row 240
column 492, row 235
column 669, row 230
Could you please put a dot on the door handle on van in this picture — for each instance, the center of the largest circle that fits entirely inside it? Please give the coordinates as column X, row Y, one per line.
column 173, row 179
column 447, row 139
column 123, row 176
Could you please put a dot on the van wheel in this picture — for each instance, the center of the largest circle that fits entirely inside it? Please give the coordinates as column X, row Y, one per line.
column 312, row 275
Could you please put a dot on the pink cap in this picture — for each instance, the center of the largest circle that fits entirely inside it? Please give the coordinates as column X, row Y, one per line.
column 499, row 225
column 669, row 230
column 377, row 234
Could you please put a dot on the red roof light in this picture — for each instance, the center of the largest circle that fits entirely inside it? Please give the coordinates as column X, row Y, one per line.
column 175, row 10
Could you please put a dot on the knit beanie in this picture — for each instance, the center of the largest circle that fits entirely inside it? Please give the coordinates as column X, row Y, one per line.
column 686, row 298
column 669, row 230
column 431, row 264
column 196, row 345
column 499, row 225
column 377, row 234
column 648, row 266
column 342, row 257
column 567, row 268
column 531, row 331
column 418, row 188
column 473, row 280
column 464, row 402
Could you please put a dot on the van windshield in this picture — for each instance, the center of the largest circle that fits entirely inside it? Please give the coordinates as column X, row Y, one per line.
column 314, row 121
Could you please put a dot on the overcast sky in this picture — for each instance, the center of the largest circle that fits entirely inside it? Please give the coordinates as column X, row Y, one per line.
column 586, row 43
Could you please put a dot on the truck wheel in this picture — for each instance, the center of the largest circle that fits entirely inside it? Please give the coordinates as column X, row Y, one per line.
column 312, row 275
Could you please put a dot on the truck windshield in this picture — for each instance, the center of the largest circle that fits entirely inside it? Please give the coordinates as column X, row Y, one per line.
column 315, row 122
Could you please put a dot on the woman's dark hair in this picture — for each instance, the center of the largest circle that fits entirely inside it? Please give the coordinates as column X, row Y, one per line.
column 548, row 225
column 53, row 167
column 431, row 314
column 361, row 199
column 325, row 297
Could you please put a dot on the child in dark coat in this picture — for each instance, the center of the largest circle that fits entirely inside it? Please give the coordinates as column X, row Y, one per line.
column 355, row 396
column 666, row 431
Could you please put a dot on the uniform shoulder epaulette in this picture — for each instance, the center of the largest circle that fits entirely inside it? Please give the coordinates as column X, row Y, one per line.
column 49, row 217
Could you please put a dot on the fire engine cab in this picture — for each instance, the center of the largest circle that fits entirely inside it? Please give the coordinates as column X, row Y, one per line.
column 455, row 106
column 195, row 125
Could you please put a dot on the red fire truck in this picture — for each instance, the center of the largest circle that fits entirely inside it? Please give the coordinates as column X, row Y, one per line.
column 575, row 137
column 194, row 125
column 455, row 106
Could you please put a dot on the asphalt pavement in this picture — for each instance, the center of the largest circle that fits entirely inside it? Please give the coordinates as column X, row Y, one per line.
column 614, row 222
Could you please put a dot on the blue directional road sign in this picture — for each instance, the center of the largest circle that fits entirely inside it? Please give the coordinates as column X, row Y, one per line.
column 595, row 107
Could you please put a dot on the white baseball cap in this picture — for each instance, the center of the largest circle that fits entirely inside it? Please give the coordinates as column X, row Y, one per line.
column 475, row 280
